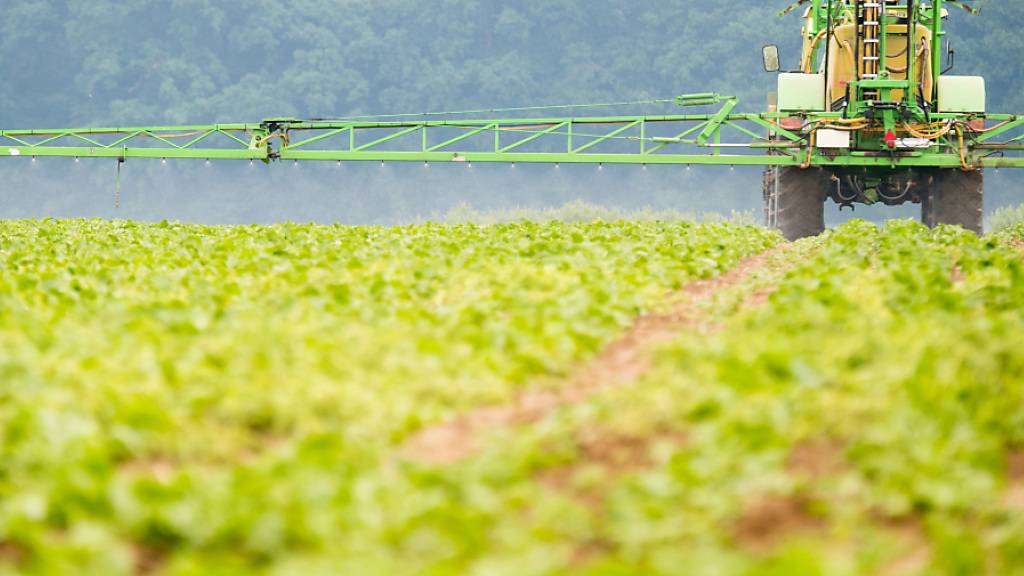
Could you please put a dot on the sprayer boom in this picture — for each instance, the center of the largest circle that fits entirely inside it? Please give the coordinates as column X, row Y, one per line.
column 721, row 137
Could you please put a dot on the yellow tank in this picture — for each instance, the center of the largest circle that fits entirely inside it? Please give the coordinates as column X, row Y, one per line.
column 842, row 62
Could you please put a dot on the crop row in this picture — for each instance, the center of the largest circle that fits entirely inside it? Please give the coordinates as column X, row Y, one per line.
column 195, row 399
column 867, row 419
column 192, row 400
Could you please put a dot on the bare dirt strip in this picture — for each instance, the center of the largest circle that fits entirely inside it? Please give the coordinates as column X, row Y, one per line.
column 621, row 363
column 1014, row 499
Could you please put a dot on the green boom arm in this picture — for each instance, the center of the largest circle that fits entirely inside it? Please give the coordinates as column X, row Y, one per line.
column 721, row 137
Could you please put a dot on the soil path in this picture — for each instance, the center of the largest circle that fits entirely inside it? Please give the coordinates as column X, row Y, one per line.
column 621, row 363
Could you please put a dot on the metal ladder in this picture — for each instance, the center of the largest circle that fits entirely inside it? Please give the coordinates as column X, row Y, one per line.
column 870, row 28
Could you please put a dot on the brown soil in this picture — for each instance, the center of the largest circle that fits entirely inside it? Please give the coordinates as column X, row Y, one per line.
column 589, row 551
column 1015, row 465
column 621, row 363
column 160, row 469
column 816, row 459
column 956, row 274
column 910, row 536
column 621, row 453
column 772, row 519
column 1014, row 497
column 616, row 454
column 11, row 553
column 910, row 564
column 148, row 560
column 757, row 298
column 560, row 480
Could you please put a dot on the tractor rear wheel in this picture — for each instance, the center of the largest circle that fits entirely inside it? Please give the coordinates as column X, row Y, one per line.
column 954, row 197
column 794, row 200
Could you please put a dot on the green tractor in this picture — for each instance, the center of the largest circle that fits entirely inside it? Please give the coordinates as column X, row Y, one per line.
column 873, row 82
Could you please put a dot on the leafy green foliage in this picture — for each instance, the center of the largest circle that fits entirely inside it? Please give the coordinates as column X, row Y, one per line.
column 205, row 400
column 866, row 420
column 1004, row 220
column 582, row 211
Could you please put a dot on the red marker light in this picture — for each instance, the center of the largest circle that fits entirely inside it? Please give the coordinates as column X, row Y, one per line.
column 890, row 139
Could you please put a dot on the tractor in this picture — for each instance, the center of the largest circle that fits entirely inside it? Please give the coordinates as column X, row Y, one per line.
column 873, row 81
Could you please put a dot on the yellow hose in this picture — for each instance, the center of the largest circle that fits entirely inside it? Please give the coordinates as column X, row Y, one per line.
column 810, row 147
column 846, row 128
column 963, row 149
column 983, row 130
column 929, row 133
column 805, row 66
column 264, row 140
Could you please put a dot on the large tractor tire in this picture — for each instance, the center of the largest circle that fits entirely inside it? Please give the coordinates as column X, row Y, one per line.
column 794, row 200
column 954, row 197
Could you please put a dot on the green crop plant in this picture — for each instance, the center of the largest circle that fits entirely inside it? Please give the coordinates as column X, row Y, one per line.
column 865, row 420
column 1005, row 217
column 226, row 397
column 202, row 400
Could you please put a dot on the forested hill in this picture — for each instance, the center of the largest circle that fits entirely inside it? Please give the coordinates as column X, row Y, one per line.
column 76, row 62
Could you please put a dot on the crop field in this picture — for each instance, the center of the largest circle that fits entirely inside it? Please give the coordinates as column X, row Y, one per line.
column 603, row 398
